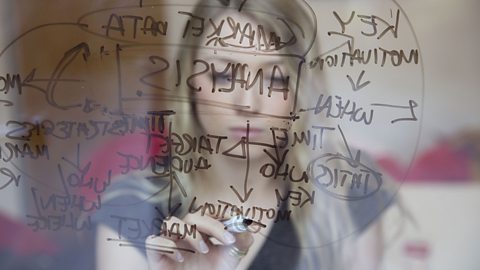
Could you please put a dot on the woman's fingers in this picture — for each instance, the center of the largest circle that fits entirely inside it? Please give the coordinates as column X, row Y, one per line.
column 170, row 248
column 212, row 227
column 159, row 249
column 232, row 254
column 194, row 240
column 201, row 227
column 243, row 241
column 241, row 246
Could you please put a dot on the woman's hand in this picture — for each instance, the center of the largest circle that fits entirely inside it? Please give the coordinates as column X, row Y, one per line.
column 198, row 252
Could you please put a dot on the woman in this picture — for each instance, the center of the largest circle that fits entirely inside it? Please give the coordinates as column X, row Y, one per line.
column 245, row 79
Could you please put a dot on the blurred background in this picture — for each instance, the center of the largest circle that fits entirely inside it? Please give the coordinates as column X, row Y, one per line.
column 435, row 160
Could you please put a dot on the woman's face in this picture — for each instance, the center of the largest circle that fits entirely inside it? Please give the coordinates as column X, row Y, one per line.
column 243, row 90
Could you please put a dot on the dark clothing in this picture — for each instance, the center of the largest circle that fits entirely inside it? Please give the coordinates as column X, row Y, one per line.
column 129, row 209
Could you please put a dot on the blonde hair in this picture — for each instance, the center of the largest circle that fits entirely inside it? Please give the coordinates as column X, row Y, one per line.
column 319, row 226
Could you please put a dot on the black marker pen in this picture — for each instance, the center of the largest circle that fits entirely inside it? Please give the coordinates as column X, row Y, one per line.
column 237, row 224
